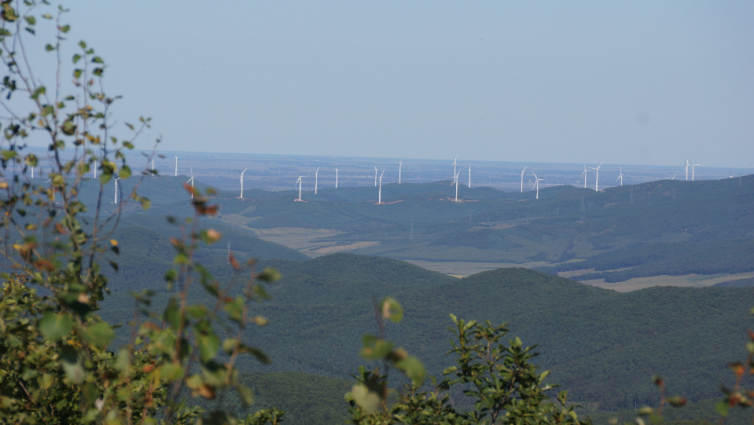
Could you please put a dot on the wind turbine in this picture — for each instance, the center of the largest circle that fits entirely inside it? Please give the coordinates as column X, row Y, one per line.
column 400, row 165
column 693, row 167
column 191, row 180
column 456, row 180
column 522, row 180
column 316, row 179
column 299, row 187
column 454, row 167
column 375, row 176
column 687, row 169
column 673, row 178
column 336, row 177
column 597, row 182
column 620, row 176
column 176, row 166
column 536, row 183
column 244, row 170
column 469, row 177
column 584, row 174
column 379, row 199
column 152, row 166
column 116, row 191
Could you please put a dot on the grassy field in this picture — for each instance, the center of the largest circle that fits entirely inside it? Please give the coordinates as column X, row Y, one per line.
column 689, row 280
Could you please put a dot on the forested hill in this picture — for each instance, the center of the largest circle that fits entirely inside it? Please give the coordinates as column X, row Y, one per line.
column 602, row 345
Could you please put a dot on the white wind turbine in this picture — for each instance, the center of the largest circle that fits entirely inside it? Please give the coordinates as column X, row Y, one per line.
column 693, row 167
column 522, row 180
column 336, row 177
column 454, row 167
column 379, row 198
column 244, row 170
column 375, row 176
column 620, row 176
column 116, row 191
column 597, row 181
column 456, row 181
column 316, row 180
column 400, row 165
column 176, row 166
column 299, row 181
column 191, row 180
column 584, row 174
column 687, row 169
column 152, row 166
column 536, row 183
column 469, row 177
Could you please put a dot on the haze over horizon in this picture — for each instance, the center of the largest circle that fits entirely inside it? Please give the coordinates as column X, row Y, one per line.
column 643, row 83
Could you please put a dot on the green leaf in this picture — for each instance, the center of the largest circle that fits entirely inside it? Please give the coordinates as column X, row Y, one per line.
column 722, row 408
column 172, row 313
column 97, row 59
column 76, row 58
column 30, row 20
column 39, row 90
column 367, row 400
column 208, row 347
column 124, row 172
column 49, row 47
column 45, row 381
column 100, row 334
column 72, row 366
column 269, row 275
column 413, row 368
column 172, row 371
column 77, row 73
column 391, row 310
column 55, row 326
column 246, row 394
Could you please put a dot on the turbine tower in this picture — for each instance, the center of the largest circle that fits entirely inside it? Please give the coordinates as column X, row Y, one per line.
column 687, row 169
column 536, row 183
column 620, row 176
column 32, row 171
column 316, row 179
column 299, row 187
column 95, row 167
column 456, row 180
column 522, row 180
column 597, row 182
column 336, row 177
column 116, row 191
column 693, row 167
column 469, row 177
column 244, row 170
column 176, row 166
column 454, row 167
column 191, row 180
column 375, row 176
column 379, row 198
column 400, row 165
column 152, row 166
column 584, row 174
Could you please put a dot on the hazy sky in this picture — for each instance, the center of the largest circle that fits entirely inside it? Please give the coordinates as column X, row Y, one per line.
column 631, row 82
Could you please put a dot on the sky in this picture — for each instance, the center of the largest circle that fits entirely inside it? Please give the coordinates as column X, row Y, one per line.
column 639, row 82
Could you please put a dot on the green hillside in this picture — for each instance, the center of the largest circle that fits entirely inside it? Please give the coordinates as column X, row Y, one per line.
column 602, row 345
